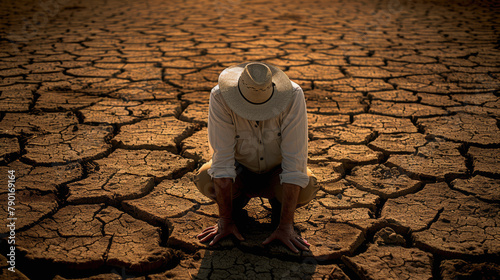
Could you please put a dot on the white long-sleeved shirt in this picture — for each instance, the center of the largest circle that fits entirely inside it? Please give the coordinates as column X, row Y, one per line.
column 259, row 146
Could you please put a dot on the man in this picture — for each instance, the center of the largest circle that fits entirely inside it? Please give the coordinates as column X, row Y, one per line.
column 257, row 131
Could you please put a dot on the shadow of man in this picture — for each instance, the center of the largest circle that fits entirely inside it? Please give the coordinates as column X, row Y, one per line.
column 236, row 264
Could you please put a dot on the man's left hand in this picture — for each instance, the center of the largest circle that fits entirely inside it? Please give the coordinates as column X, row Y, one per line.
column 287, row 235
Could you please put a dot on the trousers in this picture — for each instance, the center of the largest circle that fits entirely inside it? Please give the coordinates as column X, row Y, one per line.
column 251, row 184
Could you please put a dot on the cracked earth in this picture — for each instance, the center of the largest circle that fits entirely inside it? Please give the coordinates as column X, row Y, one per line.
column 103, row 117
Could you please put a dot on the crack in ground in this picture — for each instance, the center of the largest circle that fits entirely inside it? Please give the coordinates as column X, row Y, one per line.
column 435, row 219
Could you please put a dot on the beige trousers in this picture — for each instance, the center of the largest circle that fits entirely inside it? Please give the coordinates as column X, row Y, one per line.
column 251, row 184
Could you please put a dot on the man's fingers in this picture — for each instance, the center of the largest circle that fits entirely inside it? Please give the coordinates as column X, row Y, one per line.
column 238, row 235
column 209, row 236
column 305, row 242
column 216, row 239
column 269, row 239
column 290, row 245
column 210, row 228
column 207, row 230
column 299, row 244
column 203, row 234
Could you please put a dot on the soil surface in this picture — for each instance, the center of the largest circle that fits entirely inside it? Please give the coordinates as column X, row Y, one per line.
column 103, row 118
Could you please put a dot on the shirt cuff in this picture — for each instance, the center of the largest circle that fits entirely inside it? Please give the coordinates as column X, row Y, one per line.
column 222, row 172
column 296, row 178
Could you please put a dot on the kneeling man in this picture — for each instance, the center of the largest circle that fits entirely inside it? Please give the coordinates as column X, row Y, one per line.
column 257, row 132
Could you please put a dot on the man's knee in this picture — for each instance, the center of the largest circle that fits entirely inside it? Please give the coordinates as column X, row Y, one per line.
column 204, row 182
column 309, row 192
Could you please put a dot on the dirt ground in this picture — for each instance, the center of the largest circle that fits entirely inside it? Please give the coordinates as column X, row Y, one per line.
column 103, row 116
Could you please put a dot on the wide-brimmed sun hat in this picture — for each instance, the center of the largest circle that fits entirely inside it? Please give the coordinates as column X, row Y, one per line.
column 255, row 91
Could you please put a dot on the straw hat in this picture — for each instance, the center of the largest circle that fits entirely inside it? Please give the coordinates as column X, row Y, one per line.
column 255, row 91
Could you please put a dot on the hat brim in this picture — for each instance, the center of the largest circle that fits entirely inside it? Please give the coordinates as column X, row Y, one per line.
column 281, row 97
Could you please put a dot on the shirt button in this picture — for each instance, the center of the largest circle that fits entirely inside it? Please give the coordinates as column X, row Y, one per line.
column 279, row 133
column 237, row 136
column 261, row 158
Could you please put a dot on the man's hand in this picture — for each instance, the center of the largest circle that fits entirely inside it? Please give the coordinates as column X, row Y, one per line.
column 222, row 229
column 285, row 232
column 224, row 196
column 289, row 237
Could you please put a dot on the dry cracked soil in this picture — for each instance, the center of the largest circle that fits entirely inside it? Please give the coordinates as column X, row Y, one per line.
column 103, row 118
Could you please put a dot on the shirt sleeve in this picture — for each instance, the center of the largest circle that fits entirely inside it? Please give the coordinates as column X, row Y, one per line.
column 294, row 142
column 221, row 137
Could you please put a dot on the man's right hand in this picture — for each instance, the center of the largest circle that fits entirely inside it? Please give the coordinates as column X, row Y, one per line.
column 222, row 229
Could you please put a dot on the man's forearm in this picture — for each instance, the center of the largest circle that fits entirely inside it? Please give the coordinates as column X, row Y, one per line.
column 289, row 203
column 223, row 195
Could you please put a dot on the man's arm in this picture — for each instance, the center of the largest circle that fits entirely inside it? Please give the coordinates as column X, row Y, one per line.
column 294, row 138
column 221, row 136
column 285, row 232
column 294, row 175
column 225, row 226
column 223, row 193
column 290, row 197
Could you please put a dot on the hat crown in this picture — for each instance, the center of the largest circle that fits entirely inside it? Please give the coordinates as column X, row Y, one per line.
column 260, row 74
column 255, row 83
